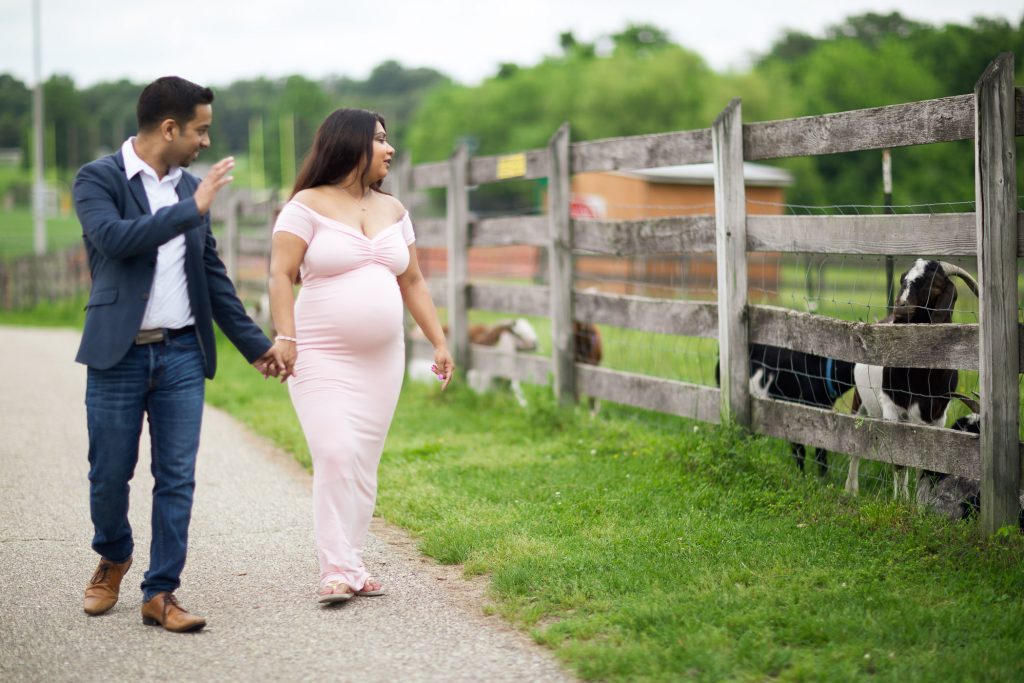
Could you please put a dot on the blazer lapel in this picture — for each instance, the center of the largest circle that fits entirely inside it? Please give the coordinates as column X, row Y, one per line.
column 139, row 192
column 135, row 185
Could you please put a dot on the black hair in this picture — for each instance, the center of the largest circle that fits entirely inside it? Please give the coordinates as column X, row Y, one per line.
column 170, row 97
column 343, row 141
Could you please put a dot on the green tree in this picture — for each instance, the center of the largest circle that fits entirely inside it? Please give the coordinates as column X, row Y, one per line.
column 15, row 111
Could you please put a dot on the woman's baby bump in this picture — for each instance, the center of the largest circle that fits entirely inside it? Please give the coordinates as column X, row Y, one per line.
column 358, row 310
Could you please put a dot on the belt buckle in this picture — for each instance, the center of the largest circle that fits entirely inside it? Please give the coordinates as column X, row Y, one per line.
column 149, row 336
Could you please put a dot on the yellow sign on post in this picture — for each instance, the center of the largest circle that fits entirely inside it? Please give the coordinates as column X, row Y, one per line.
column 511, row 166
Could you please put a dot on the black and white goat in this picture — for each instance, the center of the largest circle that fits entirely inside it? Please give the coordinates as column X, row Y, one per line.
column 919, row 395
column 798, row 377
column 948, row 495
column 952, row 496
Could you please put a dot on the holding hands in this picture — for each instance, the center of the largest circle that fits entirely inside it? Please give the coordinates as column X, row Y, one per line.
column 279, row 360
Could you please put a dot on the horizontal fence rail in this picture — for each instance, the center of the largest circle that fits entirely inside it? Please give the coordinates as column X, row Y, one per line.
column 675, row 235
column 652, row 393
column 897, row 443
column 932, row 234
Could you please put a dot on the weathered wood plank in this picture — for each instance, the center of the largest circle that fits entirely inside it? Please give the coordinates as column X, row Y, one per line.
column 253, row 246
column 509, row 230
column 485, row 169
column 731, row 250
column 653, row 393
column 457, row 238
column 438, row 288
column 995, row 182
column 525, row 367
column 642, row 151
column 230, row 246
column 561, row 268
column 426, row 176
column 899, row 443
column 664, row 316
column 518, row 299
column 915, row 123
column 948, row 346
column 680, row 234
column 939, row 234
column 431, row 232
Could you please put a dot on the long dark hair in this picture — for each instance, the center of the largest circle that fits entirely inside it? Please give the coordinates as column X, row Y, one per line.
column 343, row 142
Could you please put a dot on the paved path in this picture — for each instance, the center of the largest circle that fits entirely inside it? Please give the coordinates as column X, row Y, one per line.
column 251, row 570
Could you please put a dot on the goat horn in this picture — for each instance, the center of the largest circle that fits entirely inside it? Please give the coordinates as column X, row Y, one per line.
column 962, row 274
column 967, row 401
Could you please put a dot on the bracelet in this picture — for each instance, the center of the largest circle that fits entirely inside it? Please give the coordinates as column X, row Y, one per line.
column 282, row 337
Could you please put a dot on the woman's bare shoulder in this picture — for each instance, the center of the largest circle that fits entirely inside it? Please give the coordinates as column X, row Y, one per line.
column 392, row 204
column 312, row 197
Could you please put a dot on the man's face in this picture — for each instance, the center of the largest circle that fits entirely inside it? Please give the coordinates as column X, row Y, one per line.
column 195, row 136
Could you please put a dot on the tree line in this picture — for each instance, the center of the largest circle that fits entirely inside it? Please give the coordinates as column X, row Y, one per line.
column 637, row 81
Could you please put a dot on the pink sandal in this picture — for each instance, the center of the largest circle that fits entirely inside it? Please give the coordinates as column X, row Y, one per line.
column 373, row 592
column 334, row 591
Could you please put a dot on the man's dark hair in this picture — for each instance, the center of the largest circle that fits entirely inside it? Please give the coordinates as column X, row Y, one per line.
column 170, row 97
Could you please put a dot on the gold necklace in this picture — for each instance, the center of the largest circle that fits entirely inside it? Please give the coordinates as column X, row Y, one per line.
column 359, row 202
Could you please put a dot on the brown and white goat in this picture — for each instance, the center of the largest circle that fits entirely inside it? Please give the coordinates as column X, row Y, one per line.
column 920, row 395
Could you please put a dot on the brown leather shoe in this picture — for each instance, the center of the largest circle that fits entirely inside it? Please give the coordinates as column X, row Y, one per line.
column 163, row 610
column 104, row 586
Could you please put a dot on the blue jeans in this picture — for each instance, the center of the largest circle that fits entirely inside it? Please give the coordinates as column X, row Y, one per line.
column 164, row 381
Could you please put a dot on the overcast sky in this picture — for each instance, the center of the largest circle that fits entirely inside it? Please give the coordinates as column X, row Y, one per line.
column 215, row 42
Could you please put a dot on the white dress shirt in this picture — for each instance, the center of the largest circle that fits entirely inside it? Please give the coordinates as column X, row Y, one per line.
column 168, row 304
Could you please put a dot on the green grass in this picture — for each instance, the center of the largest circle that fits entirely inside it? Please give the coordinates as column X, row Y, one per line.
column 16, row 232
column 66, row 313
column 642, row 547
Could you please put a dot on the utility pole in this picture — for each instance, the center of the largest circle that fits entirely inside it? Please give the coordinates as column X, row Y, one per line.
column 38, row 187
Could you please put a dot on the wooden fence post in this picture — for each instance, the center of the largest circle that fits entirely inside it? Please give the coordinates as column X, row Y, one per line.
column 457, row 239
column 563, row 357
column 231, row 238
column 995, row 187
column 731, row 249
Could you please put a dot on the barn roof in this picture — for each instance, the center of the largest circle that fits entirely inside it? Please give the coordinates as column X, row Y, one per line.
column 704, row 174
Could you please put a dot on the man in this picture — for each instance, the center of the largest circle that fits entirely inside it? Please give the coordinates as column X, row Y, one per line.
column 148, row 342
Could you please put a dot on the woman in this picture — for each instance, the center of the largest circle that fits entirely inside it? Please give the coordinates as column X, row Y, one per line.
column 342, row 339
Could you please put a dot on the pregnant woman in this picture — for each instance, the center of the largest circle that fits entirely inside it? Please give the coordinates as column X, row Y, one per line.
column 352, row 246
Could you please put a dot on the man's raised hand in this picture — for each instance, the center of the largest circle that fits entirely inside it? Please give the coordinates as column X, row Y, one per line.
column 217, row 178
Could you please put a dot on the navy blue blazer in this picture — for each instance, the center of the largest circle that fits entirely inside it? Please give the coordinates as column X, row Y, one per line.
column 121, row 241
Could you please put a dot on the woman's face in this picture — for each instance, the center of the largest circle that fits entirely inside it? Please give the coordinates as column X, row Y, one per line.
column 382, row 153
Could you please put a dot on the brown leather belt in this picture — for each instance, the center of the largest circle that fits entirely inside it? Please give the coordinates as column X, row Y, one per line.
column 161, row 334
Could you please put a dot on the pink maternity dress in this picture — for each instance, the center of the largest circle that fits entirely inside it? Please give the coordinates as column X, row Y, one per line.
column 351, row 356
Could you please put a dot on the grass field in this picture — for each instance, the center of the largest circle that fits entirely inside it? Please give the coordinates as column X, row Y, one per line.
column 16, row 232
column 641, row 547
column 644, row 547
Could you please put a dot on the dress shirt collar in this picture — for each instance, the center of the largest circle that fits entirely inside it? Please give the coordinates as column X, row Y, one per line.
column 133, row 165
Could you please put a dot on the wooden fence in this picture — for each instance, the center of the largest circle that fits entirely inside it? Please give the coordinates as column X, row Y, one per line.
column 992, row 117
column 30, row 280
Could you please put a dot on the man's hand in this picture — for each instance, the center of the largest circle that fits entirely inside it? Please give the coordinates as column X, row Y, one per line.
column 278, row 361
column 265, row 365
column 216, row 179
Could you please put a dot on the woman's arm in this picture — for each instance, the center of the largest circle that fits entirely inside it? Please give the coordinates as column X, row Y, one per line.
column 417, row 299
column 286, row 254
